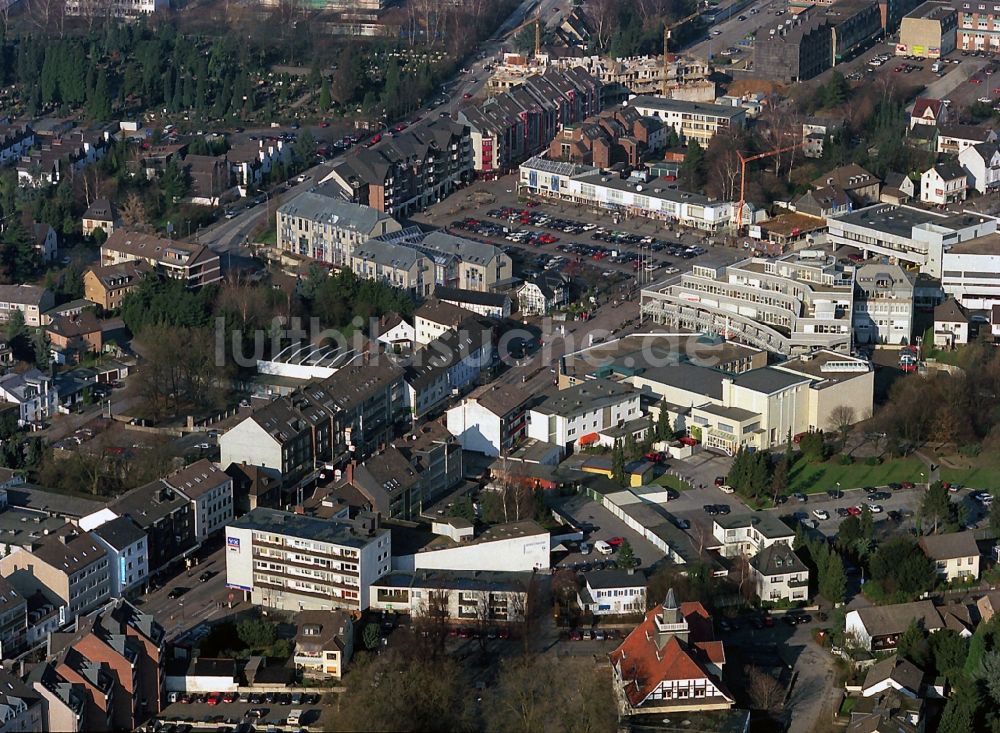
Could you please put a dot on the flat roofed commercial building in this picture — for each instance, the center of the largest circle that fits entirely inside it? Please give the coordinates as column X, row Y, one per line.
column 906, row 235
column 792, row 305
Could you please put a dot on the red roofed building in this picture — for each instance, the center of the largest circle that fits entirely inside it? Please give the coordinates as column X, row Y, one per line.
column 671, row 662
column 927, row 111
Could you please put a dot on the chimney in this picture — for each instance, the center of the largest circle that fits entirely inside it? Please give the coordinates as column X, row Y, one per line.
column 350, row 472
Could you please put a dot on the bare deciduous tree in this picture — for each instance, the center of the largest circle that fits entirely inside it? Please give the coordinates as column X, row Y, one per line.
column 842, row 418
column 765, row 692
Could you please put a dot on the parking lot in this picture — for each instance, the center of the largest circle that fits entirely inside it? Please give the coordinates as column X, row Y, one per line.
column 199, row 714
column 577, row 240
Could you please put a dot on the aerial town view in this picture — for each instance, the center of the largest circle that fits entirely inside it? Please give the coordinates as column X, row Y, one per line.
column 528, row 366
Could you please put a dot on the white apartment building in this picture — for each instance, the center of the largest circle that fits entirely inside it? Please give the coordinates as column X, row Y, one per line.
column 295, row 562
column 748, row 534
column 128, row 554
column 34, row 394
column 792, row 305
column 970, row 272
column 613, row 592
column 907, row 235
column 210, row 490
column 567, row 415
column 481, row 597
column 328, row 229
column 778, row 574
column 691, row 120
column 491, row 420
column 883, row 305
column 651, row 199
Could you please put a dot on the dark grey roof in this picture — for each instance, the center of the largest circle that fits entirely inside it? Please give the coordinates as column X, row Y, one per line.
column 950, row 170
column 615, row 579
column 120, row 533
column 778, row 559
column 339, row 214
column 902, row 671
column 587, row 396
column 683, row 106
column 768, row 380
column 767, row 524
column 456, row 580
column 299, row 525
column 458, row 295
column 894, row 619
column 697, row 379
column 950, row 312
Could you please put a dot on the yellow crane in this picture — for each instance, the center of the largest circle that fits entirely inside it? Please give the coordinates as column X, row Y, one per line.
column 537, row 22
column 667, row 33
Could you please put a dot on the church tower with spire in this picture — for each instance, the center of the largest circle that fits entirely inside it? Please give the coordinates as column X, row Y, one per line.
column 670, row 621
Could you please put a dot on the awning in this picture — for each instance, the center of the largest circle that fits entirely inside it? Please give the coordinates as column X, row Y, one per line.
column 589, row 438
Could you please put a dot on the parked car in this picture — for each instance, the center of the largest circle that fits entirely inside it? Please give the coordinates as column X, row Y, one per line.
column 615, row 541
column 821, row 514
column 603, row 547
column 177, row 592
column 799, row 496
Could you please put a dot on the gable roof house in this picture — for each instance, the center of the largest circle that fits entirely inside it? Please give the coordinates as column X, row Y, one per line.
column 779, row 574
column 824, row 202
column 896, row 673
column 878, row 628
column 324, row 642
column 955, row 554
column 861, row 186
column 951, row 325
column 671, row 663
column 100, row 215
column 897, row 188
column 543, row 293
column 982, row 165
column 927, row 111
column 953, row 139
column 107, row 285
column 943, row 183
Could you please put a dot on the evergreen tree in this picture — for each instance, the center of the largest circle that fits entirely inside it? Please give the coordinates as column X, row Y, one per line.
column 626, row 556
column 99, row 107
column 663, row 422
column 961, row 711
column 867, row 523
column 631, row 447
column 16, row 328
column 913, row 645
column 779, row 479
column 324, row 96
column 42, row 349
column 694, row 164
column 834, row 580
column 936, row 508
column 760, row 474
column 789, row 450
column 618, row 464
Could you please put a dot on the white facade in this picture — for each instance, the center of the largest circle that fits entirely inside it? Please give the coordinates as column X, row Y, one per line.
column 691, row 120
column 906, row 234
column 553, row 424
column 972, row 275
column 248, row 442
column 116, row 8
column 33, row 393
column 294, row 563
column 606, row 601
column 213, row 510
column 982, row 164
column 129, row 565
column 588, row 186
column 402, row 334
column 477, row 428
column 751, row 536
column 524, row 550
column 937, row 189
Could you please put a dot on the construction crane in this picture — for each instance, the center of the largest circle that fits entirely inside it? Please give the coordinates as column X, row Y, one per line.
column 743, row 175
column 667, row 32
column 537, row 22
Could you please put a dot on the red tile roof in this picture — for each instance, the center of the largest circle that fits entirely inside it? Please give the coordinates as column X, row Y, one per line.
column 643, row 667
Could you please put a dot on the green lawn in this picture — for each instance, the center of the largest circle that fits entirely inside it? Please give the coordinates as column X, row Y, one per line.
column 672, row 482
column 810, row 478
column 981, row 477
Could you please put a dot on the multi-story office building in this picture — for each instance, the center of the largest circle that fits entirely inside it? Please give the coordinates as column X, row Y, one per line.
column 294, row 562
column 565, row 416
column 883, row 305
column 795, row 304
column 907, row 235
column 128, row 552
column 193, row 264
column 795, row 50
column 691, row 120
column 210, row 491
column 328, row 229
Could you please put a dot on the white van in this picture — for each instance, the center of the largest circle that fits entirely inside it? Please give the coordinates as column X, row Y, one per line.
column 936, row 67
column 293, row 717
column 603, row 547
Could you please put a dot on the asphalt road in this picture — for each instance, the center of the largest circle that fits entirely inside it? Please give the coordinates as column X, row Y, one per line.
column 203, row 601
column 732, row 31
